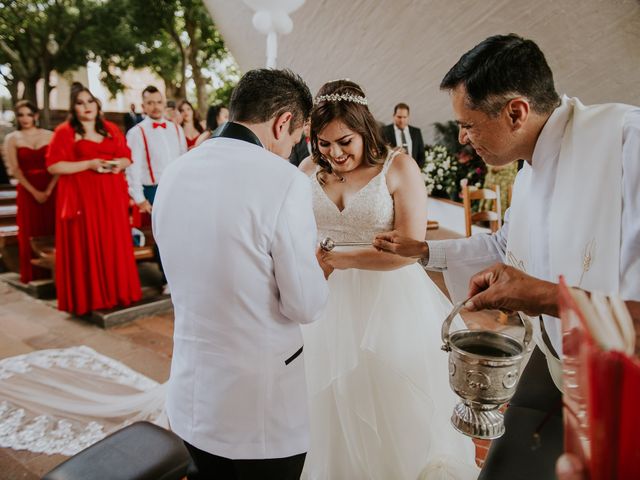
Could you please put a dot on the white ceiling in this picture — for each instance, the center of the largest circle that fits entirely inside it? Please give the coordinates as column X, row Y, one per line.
column 399, row 50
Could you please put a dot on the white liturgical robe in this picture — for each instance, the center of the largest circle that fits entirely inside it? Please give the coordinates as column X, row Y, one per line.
column 536, row 184
column 237, row 237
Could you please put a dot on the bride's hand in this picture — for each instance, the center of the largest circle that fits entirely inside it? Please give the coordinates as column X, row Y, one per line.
column 340, row 260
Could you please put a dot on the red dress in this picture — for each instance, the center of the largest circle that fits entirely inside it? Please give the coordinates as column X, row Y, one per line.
column 191, row 142
column 95, row 266
column 34, row 219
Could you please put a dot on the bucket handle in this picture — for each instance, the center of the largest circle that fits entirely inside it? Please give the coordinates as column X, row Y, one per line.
column 446, row 325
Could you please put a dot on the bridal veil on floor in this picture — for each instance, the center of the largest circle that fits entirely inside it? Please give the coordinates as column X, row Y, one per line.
column 64, row 400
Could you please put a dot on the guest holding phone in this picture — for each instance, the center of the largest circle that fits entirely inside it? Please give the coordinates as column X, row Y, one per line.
column 95, row 266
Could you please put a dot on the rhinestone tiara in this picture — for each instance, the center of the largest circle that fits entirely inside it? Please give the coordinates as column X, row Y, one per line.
column 342, row 97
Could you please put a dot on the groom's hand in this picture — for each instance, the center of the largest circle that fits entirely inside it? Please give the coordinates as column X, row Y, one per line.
column 393, row 242
column 327, row 269
column 505, row 288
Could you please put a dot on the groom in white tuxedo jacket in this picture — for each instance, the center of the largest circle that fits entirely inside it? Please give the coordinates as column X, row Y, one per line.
column 237, row 235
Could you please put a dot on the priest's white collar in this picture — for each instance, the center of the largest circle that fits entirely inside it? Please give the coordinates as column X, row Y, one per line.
column 550, row 139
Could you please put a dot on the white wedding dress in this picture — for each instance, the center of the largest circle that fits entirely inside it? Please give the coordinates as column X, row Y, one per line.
column 380, row 400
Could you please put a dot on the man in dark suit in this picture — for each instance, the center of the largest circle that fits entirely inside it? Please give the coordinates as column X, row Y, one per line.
column 400, row 133
column 132, row 118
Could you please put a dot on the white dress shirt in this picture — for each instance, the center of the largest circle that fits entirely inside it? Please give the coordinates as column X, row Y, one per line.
column 399, row 137
column 459, row 259
column 237, row 236
column 165, row 145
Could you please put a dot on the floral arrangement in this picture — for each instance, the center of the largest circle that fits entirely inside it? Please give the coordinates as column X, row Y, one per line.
column 444, row 175
column 440, row 171
column 469, row 167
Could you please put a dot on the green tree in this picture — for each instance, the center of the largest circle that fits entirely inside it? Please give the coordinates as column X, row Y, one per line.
column 177, row 38
column 37, row 37
column 173, row 38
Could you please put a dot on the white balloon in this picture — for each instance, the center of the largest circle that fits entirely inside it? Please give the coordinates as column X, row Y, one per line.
column 282, row 22
column 263, row 22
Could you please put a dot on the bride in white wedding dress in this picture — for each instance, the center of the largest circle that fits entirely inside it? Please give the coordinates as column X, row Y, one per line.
column 380, row 401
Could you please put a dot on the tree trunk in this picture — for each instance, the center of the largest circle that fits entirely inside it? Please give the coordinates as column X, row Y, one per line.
column 173, row 91
column 30, row 90
column 201, row 90
column 191, row 27
column 12, row 86
column 181, row 86
column 46, row 91
column 198, row 79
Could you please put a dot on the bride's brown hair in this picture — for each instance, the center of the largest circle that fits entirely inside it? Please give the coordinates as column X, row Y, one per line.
column 348, row 105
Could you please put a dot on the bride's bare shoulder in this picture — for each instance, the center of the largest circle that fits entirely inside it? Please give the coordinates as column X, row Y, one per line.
column 307, row 166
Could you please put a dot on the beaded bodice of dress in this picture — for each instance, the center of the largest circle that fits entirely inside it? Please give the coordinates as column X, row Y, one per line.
column 369, row 211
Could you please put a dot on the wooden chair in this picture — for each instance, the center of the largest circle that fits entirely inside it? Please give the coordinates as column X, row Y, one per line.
column 493, row 216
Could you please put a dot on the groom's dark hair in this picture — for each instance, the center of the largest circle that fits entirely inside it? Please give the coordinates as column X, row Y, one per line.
column 500, row 68
column 263, row 94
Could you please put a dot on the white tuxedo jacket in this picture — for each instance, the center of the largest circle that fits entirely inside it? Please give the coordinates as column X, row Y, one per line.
column 237, row 237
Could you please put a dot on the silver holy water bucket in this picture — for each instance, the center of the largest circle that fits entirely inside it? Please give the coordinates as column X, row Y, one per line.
column 484, row 369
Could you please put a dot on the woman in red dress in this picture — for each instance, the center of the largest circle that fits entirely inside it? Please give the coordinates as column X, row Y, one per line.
column 95, row 267
column 24, row 151
column 191, row 123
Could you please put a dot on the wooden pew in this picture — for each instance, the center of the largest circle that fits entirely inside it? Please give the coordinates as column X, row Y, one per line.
column 9, row 247
column 45, row 249
column 8, row 197
column 8, row 215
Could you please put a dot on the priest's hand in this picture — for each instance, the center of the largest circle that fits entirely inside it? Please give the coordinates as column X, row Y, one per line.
column 393, row 242
column 569, row 467
column 505, row 288
column 145, row 206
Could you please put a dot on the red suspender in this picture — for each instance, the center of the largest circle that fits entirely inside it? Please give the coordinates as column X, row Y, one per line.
column 146, row 149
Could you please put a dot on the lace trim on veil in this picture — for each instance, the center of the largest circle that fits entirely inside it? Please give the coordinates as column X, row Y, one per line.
column 64, row 400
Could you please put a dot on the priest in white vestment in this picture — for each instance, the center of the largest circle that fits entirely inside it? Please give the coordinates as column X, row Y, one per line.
column 575, row 211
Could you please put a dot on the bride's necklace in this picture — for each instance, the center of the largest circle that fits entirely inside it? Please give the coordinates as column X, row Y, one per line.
column 340, row 178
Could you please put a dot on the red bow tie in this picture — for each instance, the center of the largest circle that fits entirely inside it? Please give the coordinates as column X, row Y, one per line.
column 162, row 125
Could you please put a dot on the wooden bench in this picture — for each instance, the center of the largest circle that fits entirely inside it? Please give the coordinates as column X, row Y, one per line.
column 8, row 215
column 8, row 197
column 9, row 247
column 44, row 248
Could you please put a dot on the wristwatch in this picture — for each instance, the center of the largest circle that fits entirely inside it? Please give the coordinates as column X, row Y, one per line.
column 423, row 261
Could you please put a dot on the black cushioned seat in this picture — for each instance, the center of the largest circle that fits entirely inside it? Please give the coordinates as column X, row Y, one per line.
column 140, row 451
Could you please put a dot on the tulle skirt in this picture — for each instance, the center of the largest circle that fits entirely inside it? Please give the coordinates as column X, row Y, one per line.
column 380, row 401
